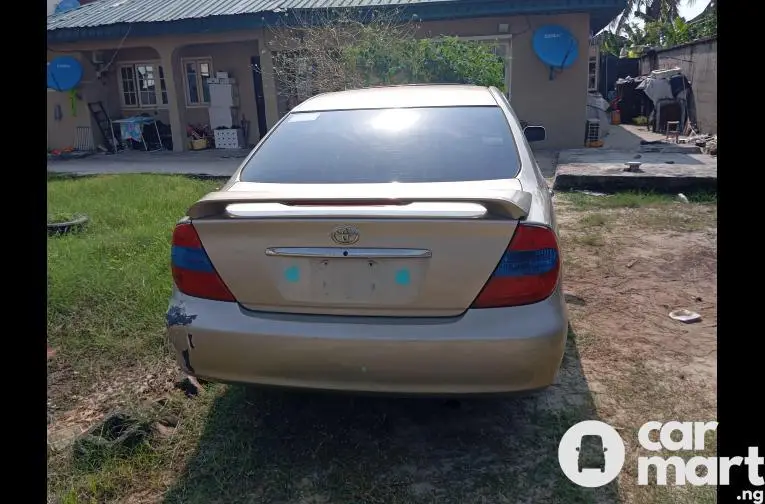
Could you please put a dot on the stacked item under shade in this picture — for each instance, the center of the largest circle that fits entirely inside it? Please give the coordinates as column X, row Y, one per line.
column 671, row 97
column 223, row 108
column 630, row 101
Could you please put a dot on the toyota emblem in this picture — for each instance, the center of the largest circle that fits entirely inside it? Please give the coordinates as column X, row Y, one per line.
column 345, row 235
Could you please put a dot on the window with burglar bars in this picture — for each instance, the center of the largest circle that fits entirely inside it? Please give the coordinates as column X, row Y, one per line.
column 142, row 85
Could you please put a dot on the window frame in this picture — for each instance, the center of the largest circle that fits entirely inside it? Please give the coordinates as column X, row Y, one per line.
column 593, row 73
column 501, row 39
column 199, row 83
column 160, row 79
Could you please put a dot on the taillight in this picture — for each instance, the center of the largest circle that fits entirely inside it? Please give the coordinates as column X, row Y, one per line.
column 527, row 272
column 193, row 272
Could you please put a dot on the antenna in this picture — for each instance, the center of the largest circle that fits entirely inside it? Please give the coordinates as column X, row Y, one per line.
column 64, row 73
column 556, row 47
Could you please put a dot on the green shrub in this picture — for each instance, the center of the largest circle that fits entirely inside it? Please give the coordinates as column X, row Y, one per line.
column 344, row 50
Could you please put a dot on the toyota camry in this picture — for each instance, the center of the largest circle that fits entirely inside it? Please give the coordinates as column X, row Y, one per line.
column 397, row 239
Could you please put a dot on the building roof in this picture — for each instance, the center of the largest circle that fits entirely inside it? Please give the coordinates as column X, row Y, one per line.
column 107, row 12
column 433, row 95
column 110, row 19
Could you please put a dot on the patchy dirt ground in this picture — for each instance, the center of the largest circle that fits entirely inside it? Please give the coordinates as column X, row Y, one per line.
column 626, row 270
column 627, row 362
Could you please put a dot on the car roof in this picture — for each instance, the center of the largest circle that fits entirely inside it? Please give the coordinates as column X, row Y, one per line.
column 431, row 95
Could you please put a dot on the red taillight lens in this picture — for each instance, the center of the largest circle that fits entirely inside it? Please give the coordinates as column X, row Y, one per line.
column 528, row 271
column 193, row 272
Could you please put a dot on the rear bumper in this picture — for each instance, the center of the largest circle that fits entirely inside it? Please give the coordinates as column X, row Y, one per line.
column 483, row 351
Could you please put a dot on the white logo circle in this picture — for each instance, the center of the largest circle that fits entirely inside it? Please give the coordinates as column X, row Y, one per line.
column 591, row 453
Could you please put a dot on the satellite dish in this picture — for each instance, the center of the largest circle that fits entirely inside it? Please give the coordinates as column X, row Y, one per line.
column 64, row 73
column 556, row 47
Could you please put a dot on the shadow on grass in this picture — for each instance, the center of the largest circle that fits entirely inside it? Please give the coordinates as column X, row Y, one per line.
column 277, row 446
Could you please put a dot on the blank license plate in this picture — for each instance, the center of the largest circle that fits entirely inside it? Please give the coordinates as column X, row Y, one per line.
column 354, row 281
column 357, row 280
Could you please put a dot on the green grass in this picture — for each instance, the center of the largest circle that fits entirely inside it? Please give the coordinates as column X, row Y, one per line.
column 657, row 211
column 108, row 286
column 108, row 289
column 237, row 445
column 594, row 220
column 582, row 201
column 58, row 217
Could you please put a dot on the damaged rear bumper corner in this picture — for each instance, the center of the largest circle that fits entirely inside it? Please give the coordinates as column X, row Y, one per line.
column 178, row 321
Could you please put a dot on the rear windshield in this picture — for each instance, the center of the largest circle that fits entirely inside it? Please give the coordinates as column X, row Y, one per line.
column 389, row 145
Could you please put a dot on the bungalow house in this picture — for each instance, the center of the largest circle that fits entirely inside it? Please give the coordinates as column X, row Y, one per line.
column 154, row 58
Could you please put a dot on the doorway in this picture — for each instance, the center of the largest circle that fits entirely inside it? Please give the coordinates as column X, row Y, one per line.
column 260, row 100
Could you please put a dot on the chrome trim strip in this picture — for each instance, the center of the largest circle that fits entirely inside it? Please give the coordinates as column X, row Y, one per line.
column 339, row 252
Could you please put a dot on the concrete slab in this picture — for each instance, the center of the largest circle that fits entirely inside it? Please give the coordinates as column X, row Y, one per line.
column 620, row 137
column 628, row 136
column 603, row 170
column 209, row 163
column 547, row 160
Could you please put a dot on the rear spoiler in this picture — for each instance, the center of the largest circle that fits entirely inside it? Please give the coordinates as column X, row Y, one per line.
column 508, row 204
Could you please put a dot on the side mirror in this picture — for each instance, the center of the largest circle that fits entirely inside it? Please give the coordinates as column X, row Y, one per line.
column 535, row 133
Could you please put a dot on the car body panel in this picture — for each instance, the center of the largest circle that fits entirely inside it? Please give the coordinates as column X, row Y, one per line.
column 442, row 284
column 483, row 351
column 407, row 96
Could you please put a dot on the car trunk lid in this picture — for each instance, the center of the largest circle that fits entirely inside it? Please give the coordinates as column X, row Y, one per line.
column 359, row 249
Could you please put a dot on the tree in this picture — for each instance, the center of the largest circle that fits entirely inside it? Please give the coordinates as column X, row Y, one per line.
column 705, row 24
column 667, row 33
column 662, row 27
column 650, row 11
column 333, row 50
column 610, row 42
column 636, row 36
